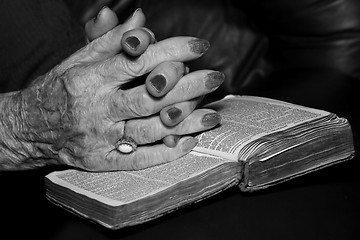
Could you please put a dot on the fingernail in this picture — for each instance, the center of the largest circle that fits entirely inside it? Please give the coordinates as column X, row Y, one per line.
column 171, row 140
column 158, row 82
column 189, row 144
column 174, row 113
column 100, row 12
column 214, row 80
column 176, row 139
column 198, row 46
column 210, row 119
column 134, row 13
column 132, row 42
column 187, row 70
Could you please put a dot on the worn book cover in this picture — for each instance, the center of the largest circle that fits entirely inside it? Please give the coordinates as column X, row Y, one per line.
column 260, row 142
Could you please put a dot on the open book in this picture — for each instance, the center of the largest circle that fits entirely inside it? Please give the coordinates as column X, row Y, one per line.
column 260, row 142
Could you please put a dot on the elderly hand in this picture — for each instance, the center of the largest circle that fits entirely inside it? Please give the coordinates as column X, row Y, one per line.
column 77, row 112
column 106, row 20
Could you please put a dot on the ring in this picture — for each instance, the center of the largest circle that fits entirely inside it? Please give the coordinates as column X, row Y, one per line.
column 126, row 145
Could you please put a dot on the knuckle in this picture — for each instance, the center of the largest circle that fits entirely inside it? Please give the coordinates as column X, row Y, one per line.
column 142, row 133
column 172, row 52
column 146, row 134
column 141, row 105
column 135, row 67
column 116, row 109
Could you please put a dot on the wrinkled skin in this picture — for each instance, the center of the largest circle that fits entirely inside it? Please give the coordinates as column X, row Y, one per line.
column 75, row 114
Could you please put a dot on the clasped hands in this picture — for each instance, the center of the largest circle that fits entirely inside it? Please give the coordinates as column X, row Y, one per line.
column 78, row 111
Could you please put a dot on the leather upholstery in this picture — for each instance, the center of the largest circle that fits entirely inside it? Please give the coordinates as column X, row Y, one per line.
column 311, row 33
column 253, row 40
column 236, row 48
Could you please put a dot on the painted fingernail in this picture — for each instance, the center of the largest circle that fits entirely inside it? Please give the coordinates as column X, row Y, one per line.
column 189, row 144
column 214, row 80
column 175, row 139
column 198, row 46
column 132, row 42
column 174, row 113
column 210, row 119
column 100, row 12
column 158, row 82
column 135, row 12
column 171, row 140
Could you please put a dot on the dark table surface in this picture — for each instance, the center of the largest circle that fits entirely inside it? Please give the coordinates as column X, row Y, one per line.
column 321, row 205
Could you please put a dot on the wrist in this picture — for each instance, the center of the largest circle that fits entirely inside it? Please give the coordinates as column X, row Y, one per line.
column 19, row 147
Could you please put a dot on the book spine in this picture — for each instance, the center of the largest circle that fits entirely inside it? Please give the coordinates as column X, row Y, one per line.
column 246, row 186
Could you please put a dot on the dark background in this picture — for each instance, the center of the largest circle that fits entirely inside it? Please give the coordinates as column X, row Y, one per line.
column 311, row 56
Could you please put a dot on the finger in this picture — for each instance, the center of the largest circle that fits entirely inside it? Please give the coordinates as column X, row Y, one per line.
column 136, row 41
column 106, row 46
column 176, row 49
column 137, row 102
column 94, row 9
column 173, row 114
column 148, row 156
column 193, row 85
column 101, row 24
column 164, row 77
column 110, row 43
column 171, row 140
column 151, row 129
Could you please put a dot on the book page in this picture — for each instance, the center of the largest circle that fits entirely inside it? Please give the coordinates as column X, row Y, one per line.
column 246, row 118
column 122, row 187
